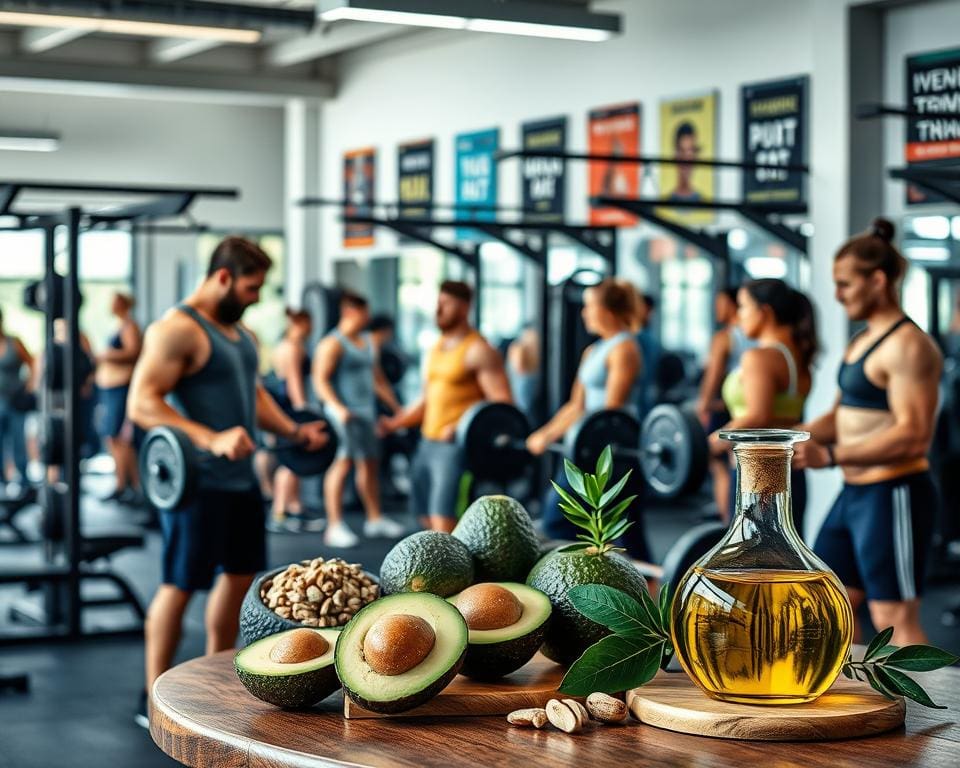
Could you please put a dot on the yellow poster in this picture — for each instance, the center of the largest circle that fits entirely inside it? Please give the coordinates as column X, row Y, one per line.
column 688, row 131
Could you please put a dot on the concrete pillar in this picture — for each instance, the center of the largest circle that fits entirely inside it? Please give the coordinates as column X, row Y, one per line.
column 301, row 179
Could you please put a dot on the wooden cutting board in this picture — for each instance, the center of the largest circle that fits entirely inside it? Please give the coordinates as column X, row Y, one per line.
column 533, row 685
column 848, row 709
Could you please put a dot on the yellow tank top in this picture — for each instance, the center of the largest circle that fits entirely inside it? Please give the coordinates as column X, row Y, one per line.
column 451, row 387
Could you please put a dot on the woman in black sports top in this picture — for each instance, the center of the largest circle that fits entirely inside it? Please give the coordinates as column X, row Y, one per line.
column 878, row 534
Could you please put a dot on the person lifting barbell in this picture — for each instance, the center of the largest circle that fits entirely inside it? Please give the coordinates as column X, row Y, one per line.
column 206, row 361
column 608, row 378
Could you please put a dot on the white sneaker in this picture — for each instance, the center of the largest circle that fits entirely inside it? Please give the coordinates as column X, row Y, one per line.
column 340, row 537
column 383, row 527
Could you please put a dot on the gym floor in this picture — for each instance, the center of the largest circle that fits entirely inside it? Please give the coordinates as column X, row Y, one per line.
column 84, row 694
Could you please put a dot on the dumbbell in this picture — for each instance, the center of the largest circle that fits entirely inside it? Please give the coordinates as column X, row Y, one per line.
column 670, row 448
column 170, row 462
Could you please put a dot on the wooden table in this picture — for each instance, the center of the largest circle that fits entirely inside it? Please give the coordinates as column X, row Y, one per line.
column 202, row 716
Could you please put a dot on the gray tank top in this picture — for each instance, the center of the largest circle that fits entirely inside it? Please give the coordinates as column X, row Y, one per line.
column 353, row 377
column 222, row 395
column 593, row 375
column 10, row 365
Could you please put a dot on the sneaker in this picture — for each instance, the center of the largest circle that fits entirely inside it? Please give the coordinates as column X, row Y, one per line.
column 307, row 524
column 340, row 537
column 383, row 527
column 140, row 717
column 130, row 498
column 278, row 525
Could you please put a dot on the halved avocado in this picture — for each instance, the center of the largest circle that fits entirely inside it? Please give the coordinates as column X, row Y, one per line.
column 493, row 653
column 389, row 694
column 290, row 685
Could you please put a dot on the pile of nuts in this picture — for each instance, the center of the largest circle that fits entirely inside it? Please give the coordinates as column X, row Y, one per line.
column 569, row 715
column 318, row 592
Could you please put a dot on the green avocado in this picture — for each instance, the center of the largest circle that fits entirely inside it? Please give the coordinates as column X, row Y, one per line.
column 290, row 685
column 493, row 653
column 499, row 534
column 389, row 694
column 570, row 632
column 428, row 561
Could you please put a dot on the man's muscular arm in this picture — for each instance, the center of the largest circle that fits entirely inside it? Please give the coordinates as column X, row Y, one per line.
column 487, row 365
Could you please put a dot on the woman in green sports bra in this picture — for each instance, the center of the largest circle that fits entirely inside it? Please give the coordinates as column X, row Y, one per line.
column 771, row 385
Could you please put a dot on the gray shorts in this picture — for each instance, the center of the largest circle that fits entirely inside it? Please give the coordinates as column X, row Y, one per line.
column 435, row 479
column 358, row 439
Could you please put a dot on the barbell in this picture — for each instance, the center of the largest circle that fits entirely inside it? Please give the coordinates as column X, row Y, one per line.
column 170, row 464
column 670, row 447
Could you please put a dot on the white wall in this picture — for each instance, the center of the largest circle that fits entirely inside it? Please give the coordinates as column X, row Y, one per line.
column 161, row 142
column 441, row 83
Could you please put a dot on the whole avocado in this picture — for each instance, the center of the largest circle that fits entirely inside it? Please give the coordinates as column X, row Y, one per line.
column 499, row 534
column 428, row 561
column 570, row 632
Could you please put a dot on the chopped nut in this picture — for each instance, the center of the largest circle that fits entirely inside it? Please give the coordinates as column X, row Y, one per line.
column 579, row 710
column 606, row 708
column 534, row 716
column 562, row 717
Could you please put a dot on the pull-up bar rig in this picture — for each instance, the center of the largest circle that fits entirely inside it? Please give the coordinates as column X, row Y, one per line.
column 162, row 202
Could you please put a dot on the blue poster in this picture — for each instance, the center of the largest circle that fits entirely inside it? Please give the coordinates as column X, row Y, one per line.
column 476, row 178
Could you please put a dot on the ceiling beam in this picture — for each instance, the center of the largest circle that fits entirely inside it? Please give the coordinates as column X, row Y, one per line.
column 330, row 39
column 273, row 89
column 174, row 49
column 41, row 39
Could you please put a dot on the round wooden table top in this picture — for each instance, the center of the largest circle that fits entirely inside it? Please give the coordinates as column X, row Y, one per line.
column 201, row 715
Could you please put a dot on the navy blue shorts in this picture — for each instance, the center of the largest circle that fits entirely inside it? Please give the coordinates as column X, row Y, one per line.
column 219, row 531
column 111, row 411
column 877, row 537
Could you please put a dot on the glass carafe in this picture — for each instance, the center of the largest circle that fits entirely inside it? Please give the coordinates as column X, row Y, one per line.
column 760, row 619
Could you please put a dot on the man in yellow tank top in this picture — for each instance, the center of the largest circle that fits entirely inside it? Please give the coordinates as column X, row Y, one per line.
column 461, row 369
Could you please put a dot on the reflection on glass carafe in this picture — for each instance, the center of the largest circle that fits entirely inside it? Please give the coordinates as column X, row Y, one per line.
column 760, row 619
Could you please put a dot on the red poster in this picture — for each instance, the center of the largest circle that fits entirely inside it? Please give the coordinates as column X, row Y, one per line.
column 613, row 131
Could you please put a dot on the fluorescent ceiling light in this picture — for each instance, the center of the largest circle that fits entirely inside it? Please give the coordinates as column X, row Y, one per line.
column 131, row 27
column 928, row 253
column 516, row 17
column 931, row 227
column 18, row 141
column 766, row 266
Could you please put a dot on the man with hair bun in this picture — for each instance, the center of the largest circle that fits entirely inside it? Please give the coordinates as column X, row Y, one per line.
column 878, row 534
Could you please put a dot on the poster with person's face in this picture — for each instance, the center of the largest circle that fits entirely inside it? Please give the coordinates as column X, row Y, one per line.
column 932, row 87
column 688, row 131
column 358, row 187
column 613, row 131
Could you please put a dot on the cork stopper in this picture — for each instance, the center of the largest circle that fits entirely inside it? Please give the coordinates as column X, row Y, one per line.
column 764, row 469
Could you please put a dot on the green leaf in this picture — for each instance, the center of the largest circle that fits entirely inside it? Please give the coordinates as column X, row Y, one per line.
column 609, row 518
column 574, row 477
column 882, row 653
column 665, row 603
column 877, row 643
column 876, row 683
column 575, row 547
column 593, row 490
column 652, row 611
column 901, row 683
column 604, row 466
column 577, row 512
column 612, row 608
column 919, row 658
column 618, row 530
column 616, row 663
column 611, row 494
column 847, row 673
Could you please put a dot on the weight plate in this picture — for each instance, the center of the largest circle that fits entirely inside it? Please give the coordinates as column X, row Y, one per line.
column 485, row 433
column 688, row 549
column 673, row 451
column 587, row 438
column 168, row 467
column 300, row 461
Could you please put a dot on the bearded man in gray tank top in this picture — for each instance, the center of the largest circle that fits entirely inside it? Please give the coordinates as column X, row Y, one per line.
column 878, row 534
column 205, row 360
column 348, row 379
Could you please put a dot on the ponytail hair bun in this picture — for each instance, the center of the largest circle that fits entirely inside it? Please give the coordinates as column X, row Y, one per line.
column 883, row 228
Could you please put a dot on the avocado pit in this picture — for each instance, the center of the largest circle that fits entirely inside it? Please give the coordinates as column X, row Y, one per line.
column 397, row 642
column 489, row 606
column 299, row 645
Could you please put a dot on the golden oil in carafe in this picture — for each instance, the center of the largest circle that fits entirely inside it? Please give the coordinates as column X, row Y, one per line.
column 762, row 636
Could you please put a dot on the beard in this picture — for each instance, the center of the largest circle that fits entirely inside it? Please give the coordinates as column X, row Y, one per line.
column 230, row 309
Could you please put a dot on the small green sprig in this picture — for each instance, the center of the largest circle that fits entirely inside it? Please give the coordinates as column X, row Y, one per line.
column 640, row 642
column 603, row 524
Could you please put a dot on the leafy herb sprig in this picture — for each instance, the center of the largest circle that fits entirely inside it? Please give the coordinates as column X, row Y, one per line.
column 640, row 642
column 603, row 524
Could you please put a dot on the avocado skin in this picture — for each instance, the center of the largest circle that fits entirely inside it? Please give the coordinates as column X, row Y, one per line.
column 413, row 700
column 499, row 534
column 256, row 620
column 303, row 689
column 443, row 562
column 570, row 632
column 495, row 660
